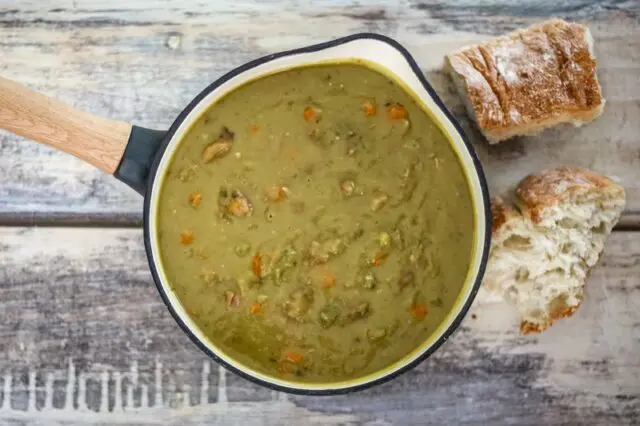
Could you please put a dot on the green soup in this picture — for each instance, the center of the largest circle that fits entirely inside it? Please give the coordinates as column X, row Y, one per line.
column 316, row 224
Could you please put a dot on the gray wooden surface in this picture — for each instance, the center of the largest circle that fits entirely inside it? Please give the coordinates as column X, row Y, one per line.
column 84, row 337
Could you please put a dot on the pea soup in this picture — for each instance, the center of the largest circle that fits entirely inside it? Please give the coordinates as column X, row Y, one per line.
column 316, row 224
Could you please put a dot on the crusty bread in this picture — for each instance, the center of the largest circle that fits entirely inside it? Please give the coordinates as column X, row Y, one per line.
column 543, row 248
column 526, row 81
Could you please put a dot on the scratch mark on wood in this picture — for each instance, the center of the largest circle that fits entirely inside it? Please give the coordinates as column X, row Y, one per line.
column 144, row 396
column 117, row 402
column 48, row 393
column 6, row 392
column 31, row 403
column 204, row 390
column 71, row 382
column 222, row 386
column 104, row 400
column 158, row 395
column 81, row 401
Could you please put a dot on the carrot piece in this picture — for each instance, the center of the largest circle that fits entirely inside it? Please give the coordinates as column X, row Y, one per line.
column 309, row 114
column 328, row 280
column 419, row 310
column 186, row 238
column 379, row 259
column 256, row 265
column 195, row 198
column 397, row 112
column 369, row 109
column 312, row 114
column 253, row 129
column 293, row 357
column 255, row 308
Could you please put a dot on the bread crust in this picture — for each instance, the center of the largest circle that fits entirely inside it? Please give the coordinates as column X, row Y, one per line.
column 528, row 327
column 528, row 80
column 499, row 214
column 546, row 188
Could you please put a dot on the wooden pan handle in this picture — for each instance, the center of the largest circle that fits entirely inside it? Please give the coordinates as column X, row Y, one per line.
column 96, row 140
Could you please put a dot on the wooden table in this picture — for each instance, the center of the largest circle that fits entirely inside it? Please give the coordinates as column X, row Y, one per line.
column 84, row 336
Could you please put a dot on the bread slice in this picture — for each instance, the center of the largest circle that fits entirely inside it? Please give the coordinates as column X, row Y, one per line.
column 526, row 81
column 544, row 247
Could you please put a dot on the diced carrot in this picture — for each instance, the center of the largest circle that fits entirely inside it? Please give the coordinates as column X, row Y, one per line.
column 312, row 114
column 397, row 112
column 292, row 357
column 253, row 129
column 379, row 259
column 369, row 109
column 195, row 198
column 186, row 238
column 255, row 308
column 419, row 310
column 328, row 280
column 309, row 114
column 256, row 265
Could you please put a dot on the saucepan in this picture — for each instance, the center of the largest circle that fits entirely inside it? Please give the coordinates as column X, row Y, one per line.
column 139, row 157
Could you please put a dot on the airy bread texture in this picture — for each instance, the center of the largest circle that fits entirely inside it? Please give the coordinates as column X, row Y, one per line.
column 544, row 247
column 526, row 81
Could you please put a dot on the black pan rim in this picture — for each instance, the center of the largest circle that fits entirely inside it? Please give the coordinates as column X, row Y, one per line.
column 470, row 150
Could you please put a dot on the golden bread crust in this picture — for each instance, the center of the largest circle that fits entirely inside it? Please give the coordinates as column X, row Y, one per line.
column 544, row 189
column 499, row 213
column 528, row 327
column 527, row 80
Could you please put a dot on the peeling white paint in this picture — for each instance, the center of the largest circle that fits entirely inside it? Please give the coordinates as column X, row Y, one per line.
column 222, row 412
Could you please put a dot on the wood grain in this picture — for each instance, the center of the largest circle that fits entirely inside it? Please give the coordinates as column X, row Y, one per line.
column 141, row 62
column 96, row 140
column 84, row 336
column 86, row 295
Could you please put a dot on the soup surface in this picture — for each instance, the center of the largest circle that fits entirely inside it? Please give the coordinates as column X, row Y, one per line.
column 316, row 224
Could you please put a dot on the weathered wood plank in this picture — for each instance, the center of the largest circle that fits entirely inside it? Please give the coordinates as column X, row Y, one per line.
column 86, row 295
column 142, row 61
